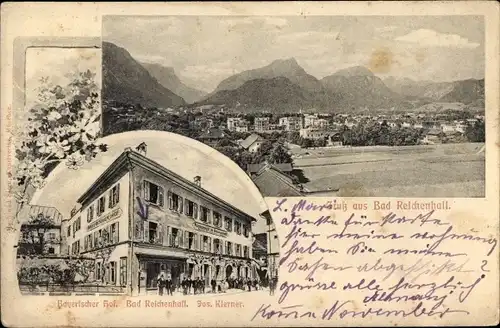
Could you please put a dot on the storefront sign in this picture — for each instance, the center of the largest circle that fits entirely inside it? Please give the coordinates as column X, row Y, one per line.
column 209, row 229
column 105, row 218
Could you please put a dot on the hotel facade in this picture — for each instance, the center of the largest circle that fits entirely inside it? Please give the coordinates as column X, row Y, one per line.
column 139, row 219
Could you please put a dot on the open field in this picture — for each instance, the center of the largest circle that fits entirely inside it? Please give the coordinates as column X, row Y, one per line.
column 448, row 170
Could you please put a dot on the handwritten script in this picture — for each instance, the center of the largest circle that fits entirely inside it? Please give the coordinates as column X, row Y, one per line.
column 343, row 261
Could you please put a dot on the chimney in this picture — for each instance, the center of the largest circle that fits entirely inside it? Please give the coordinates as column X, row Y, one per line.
column 142, row 148
column 197, row 180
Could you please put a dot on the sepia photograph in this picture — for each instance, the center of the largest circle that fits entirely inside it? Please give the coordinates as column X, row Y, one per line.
column 348, row 106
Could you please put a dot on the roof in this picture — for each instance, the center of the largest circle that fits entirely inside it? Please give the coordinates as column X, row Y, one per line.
column 47, row 211
column 259, row 246
column 213, row 133
column 283, row 167
column 130, row 157
column 274, row 183
column 434, row 132
column 250, row 140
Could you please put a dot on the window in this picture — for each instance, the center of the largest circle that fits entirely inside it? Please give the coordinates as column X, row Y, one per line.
column 153, row 193
column 101, row 205
column 217, row 246
column 238, row 250
column 175, row 237
column 228, row 224
column 191, row 209
column 98, row 271
column 123, row 271
column 100, row 239
column 175, row 202
column 75, row 247
column 206, row 244
column 191, row 240
column 245, row 251
column 69, row 231
column 112, row 272
column 105, row 236
column 153, row 231
column 246, row 230
column 96, row 239
column 114, row 196
column 52, row 250
column 237, row 227
column 229, row 248
column 114, row 233
column 217, row 219
column 204, row 213
column 90, row 213
column 78, row 223
column 51, row 236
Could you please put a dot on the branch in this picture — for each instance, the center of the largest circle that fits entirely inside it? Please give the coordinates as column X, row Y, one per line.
column 55, row 160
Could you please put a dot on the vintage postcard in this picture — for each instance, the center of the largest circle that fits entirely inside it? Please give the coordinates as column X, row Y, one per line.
column 255, row 164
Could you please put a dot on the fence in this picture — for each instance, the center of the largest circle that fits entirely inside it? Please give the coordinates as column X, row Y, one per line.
column 58, row 289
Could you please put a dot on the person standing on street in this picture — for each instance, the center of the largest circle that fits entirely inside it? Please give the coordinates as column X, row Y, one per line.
column 168, row 285
column 161, row 284
column 214, row 284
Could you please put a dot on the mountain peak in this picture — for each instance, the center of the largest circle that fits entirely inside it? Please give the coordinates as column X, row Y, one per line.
column 288, row 63
column 354, row 71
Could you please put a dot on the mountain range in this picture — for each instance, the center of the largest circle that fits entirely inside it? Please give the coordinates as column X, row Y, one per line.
column 464, row 91
column 127, row 81
column 166, row 77
column 283, row 85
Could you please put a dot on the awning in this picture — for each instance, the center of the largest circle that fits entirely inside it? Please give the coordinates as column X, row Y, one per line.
column 163, row 253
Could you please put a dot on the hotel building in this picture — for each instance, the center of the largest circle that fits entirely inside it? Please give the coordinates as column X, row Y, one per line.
column 139, row 219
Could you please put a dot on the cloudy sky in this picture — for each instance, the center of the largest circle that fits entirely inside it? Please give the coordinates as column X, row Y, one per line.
column 206, row 49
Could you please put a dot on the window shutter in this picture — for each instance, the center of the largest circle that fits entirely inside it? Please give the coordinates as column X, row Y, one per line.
column 196, row 247
column 160, row 233
column 179, row 242
column 117, row 199
column 209, row 244
column 170, row 201
column 146, row 231
column 186, row 239
column 117, row 232
column 110, row 201
column 146, row 190
column 169, row 236
column 161, row 197
column 186, row 206
column 195, row 211
column 181, row 204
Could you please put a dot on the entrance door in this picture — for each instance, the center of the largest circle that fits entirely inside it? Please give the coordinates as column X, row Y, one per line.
column 217, row 272
column 152, row 273
column 176, row 272
column 229, row 271
column 206, row 272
